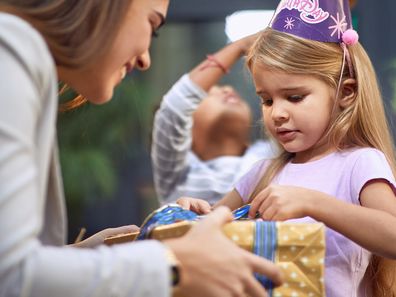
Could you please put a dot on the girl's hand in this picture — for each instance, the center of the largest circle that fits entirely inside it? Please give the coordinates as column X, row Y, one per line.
column 98, row 238
column 279, row 203
column 199, row 206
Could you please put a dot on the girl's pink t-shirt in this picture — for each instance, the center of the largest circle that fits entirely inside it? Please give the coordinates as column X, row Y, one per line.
column 342, row 175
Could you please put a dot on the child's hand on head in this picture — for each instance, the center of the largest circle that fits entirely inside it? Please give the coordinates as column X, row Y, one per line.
column 197, row 205
column 279, row 203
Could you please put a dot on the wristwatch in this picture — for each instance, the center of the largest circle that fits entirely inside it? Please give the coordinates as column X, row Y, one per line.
column 174, row 266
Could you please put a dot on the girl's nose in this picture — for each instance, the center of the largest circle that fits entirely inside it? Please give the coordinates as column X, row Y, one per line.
column 279, row 112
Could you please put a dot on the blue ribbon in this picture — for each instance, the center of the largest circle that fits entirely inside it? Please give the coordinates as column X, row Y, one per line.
column 265, row 242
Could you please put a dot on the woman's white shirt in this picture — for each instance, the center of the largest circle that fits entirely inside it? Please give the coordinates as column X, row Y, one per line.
column 33, row 260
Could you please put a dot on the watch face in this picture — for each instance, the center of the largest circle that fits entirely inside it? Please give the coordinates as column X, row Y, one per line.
column 174, row 265
column 175, row 275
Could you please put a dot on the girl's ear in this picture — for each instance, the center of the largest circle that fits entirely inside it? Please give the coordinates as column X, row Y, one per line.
column 348, row 92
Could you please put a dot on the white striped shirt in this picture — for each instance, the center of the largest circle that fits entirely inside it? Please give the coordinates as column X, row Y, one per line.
column 177, row 170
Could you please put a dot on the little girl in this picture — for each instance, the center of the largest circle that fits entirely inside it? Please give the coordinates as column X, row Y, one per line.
column 321, row 104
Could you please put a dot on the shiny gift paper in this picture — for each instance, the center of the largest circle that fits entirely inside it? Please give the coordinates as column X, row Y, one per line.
column 297, row 248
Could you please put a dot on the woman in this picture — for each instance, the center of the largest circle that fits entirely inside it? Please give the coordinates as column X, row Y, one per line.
column 89, row 45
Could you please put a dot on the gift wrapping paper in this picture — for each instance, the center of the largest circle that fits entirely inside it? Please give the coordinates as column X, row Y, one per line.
column 297, row 248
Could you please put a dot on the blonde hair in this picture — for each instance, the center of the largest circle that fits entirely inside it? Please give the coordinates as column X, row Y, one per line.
column 76, row 31
column 362, row 123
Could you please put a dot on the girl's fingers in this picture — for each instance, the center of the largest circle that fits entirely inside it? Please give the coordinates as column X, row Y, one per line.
column 264, row 206
column 268, row 213
column 204, row 208
column 184, row 203
column 254, row 206
column 257, row 201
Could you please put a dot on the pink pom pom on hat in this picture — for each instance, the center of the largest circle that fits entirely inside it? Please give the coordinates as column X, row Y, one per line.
column 350, row 37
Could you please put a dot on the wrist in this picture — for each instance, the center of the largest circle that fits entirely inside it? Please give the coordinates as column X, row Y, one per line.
column 216, row 62
column 316, row 201
column 174, row 267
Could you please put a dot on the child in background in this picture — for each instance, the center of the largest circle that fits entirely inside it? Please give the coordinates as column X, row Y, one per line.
column 322, row 104
column 201, row 136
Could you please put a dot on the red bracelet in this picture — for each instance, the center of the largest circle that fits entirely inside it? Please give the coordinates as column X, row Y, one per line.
column 217, row 63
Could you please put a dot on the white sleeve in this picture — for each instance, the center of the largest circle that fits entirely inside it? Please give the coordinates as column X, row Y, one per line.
column 133, row 269
column 27, row 267
column 171, row 141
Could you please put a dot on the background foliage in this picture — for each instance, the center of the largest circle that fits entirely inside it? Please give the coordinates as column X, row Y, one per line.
column 96, row 141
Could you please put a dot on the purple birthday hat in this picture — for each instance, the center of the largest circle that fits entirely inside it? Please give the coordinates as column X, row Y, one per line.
column 321, row 20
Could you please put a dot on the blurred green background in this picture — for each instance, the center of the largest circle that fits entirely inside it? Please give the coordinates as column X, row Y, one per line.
column 105, row 149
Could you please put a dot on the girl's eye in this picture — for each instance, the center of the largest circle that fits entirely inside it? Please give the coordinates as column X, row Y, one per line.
column 295, row 98
column 266, row 102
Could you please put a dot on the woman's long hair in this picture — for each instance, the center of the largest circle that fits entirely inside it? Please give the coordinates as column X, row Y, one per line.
column 76, row 31
column 362, row 123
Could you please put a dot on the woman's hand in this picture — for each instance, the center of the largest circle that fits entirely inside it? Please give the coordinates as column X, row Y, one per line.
column 98, row 238
column 212, row 265
column 279, row 203
column 196, row 205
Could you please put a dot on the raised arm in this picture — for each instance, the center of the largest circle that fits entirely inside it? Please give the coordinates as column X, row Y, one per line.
column 173, row 121
column 211, row 70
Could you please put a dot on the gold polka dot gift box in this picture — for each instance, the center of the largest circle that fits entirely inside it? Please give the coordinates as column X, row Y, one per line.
column 297, row 248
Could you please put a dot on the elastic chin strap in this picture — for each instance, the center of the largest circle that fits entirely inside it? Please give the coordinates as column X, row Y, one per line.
column 349, row 37
column 345, row 58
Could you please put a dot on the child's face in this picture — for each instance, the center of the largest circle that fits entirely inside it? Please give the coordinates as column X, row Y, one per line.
column 129, row 50
column 223, row 105
column 296, row 110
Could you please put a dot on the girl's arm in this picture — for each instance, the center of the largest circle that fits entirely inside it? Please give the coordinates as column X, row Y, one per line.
column 210, row 71
column 232, row 200
column 371, row 225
